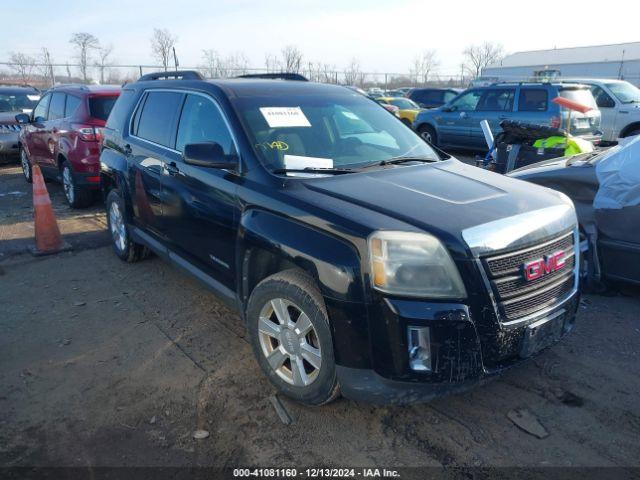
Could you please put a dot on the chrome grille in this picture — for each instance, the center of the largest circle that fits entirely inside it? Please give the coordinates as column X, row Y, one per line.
column 516, row 297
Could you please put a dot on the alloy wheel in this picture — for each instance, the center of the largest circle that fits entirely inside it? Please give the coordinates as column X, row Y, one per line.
column 426, row 136
column 67, row 184
column 116, row 223
column 289, row 342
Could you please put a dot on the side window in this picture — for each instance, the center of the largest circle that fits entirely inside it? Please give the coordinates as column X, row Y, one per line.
column 200, row 122
column 157, row 119
column 533, row 100
column 56, row 108
column 603, row 100
column 467, row 102
column 72, row 105
column 448, row 96
column 41, row 109
column 496, row 100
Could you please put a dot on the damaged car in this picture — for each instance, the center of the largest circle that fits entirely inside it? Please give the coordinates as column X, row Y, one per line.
column 605, row 189
column 362, row 261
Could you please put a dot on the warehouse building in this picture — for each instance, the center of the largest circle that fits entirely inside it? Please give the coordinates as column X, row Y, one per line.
column 620, row 60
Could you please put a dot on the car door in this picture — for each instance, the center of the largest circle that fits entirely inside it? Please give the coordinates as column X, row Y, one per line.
column 199, row 203
column 33, row 136
column 149, row 149
column 608, row 111
column 495, row 105
column 52, row 128
column 453, row 121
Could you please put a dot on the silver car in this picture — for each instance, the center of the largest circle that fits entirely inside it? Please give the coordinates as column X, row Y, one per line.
column 14, row 100
column 619, row 104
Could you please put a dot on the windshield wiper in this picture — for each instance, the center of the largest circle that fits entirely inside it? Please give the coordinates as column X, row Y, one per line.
column 398, row 160
column 335, row 171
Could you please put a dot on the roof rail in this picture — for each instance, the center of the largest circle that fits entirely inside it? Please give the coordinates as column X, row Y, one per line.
column 176, row 75
column 276, row 76
column 81, row 86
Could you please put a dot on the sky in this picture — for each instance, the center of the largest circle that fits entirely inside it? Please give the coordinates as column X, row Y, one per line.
column 385, row 36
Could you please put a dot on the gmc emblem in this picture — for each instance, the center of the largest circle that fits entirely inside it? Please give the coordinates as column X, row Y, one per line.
column 543, row 266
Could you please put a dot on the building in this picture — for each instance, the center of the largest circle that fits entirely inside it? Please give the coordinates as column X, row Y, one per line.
column 620, row 60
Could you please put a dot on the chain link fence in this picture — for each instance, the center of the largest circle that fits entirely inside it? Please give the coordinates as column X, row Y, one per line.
column 46, row 75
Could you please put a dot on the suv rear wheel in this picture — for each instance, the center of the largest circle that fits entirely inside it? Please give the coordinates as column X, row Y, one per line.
column 125, row 248
column 289, row 332
column 76, row 196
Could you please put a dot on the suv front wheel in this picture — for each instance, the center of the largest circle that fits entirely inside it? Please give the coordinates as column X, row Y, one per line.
column 26, row 165
column 289, row 332
column 428, row 134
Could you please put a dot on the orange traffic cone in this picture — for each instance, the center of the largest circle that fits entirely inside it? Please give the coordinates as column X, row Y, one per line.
column 48, row 239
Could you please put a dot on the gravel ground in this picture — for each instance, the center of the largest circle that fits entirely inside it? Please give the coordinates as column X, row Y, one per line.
column 103, row 363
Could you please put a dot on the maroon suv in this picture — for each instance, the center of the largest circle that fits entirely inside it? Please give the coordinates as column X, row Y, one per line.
column 63, row 135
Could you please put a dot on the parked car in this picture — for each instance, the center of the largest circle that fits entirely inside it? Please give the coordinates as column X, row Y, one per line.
column 457, row 123
column 62, row 135
column 407, row 110
column 14, row 100
column 605, row 189
column 432, row 97
column 361, row 261
column 619, row 104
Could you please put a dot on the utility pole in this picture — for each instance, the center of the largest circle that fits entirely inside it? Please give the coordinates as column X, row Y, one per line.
column 175, row 58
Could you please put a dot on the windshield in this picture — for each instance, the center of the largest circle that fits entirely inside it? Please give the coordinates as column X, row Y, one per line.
column 404, row 103
column 625, row 92
column 18, row 102
column 325, row 131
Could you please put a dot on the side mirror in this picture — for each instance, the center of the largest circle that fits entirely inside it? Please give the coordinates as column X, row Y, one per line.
column 208, row 154
column 23, row 118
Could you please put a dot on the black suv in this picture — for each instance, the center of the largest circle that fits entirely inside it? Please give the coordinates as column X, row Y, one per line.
column 361, row 261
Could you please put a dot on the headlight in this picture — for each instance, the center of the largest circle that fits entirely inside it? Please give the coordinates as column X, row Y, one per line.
column 413, row 264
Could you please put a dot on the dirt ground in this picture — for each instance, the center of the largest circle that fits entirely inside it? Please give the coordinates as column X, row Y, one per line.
column 104, row 363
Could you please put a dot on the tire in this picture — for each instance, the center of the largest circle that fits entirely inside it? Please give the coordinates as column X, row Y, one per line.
column 77, row 197
column 25, row 163
column 125, row 248
column 301, row 365
column 428, row 134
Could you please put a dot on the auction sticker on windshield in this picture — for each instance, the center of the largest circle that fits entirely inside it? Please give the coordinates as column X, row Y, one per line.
column 295, row 162
column 284, row 117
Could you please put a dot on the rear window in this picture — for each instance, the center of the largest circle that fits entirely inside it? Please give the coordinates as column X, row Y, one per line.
column 100, row 107
column 427, row 96
column 533, row 100
column 583, row 96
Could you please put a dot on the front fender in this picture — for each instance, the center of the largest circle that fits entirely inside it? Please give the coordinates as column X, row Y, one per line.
column 332, row 262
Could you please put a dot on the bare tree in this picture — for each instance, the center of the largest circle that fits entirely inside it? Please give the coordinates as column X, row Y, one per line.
column 353, row 74
column 233, row 65
column 478, row 57
column 211, row 63
column 321, row 72
column 84, row 43
column 272, row 63
column 46, row 65
column 23, row 65
column 103, row 62
column 291, row 59
column 162, row 43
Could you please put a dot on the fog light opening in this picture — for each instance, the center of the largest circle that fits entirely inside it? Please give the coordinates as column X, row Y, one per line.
column 419, row 349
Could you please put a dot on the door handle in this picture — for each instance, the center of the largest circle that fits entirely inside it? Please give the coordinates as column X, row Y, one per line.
column 463, row 115
column 171, row 168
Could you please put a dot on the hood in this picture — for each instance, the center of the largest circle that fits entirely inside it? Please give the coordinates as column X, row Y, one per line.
column 444, row 198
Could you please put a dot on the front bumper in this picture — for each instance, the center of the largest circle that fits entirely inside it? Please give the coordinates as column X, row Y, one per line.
column 463, row 355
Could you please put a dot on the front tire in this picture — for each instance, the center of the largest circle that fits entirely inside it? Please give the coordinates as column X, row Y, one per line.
column 125, row 248
column 289, row 331
column 25, row 163
column 77, row 197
